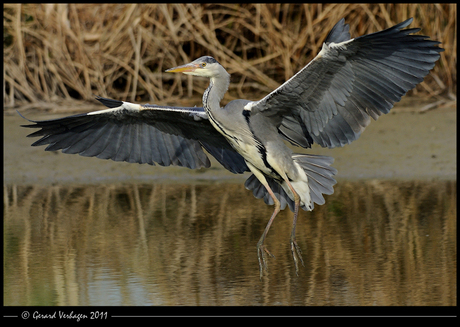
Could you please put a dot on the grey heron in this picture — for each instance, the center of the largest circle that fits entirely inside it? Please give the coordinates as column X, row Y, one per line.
column 329, row 102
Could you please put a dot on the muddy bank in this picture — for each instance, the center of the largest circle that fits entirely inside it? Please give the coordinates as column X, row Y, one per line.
column 401, row 145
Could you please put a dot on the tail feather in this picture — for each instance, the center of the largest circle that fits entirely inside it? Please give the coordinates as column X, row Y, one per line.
column 320, row 174
column 260, row 192
column 320, row 181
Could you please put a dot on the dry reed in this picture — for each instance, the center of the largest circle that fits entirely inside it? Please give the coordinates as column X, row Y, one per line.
column 60, row 53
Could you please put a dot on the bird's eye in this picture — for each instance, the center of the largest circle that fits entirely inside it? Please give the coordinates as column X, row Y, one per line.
column 203, row 64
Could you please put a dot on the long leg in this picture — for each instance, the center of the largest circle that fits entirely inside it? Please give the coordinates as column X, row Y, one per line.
column 295, row 249
column 282, row 168
column 261, row 249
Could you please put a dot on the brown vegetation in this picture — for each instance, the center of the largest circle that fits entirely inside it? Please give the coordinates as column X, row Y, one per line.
column 67, row 52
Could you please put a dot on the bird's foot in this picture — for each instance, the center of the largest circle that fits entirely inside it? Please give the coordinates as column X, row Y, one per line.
column 296, row 254
column 261, row 250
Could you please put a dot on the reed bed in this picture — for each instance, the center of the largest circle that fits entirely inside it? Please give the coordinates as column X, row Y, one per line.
column 59, row 54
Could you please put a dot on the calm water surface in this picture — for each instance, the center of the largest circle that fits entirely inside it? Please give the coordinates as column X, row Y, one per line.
column 374, row 242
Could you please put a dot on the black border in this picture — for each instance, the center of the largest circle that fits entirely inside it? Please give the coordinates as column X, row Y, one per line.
column 115, row 312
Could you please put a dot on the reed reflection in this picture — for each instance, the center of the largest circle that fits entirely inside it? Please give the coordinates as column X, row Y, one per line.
column 372, row 243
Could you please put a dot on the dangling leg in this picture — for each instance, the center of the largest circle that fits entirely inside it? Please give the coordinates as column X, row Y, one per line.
column 295, row 249
column 261, row 249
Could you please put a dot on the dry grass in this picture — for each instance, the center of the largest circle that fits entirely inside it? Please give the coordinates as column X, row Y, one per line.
column 65, row 52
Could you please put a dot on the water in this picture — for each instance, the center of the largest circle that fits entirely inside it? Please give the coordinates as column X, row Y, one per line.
column 374, row 243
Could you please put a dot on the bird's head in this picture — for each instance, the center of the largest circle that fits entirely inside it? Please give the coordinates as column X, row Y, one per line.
column 204, row 66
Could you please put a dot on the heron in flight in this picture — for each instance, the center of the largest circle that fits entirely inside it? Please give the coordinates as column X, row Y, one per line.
column 329, row 102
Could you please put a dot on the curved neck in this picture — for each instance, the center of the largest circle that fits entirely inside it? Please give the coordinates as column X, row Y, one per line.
column 216, row 90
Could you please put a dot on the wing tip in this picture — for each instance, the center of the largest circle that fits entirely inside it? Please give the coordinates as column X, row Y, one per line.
column 339, row 33
column 110, row 103
column 407, row 22
column 30, row 120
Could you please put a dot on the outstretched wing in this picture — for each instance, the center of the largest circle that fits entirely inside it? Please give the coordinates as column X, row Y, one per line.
column 140, row 134
column 330, row 101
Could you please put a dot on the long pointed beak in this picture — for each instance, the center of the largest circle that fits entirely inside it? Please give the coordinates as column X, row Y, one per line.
column 188, row 68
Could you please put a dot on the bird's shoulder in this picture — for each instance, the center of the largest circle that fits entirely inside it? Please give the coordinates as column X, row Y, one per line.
column 237, row 104
column 236, row 107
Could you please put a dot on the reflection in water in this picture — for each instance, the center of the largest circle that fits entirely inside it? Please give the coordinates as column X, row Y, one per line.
column 372, row 243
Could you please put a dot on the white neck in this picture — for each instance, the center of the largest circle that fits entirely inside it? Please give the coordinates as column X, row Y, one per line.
column 216, row 90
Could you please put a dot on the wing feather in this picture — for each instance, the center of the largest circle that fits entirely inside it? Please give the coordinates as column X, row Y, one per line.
column 331, row 100
column 140, row 134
